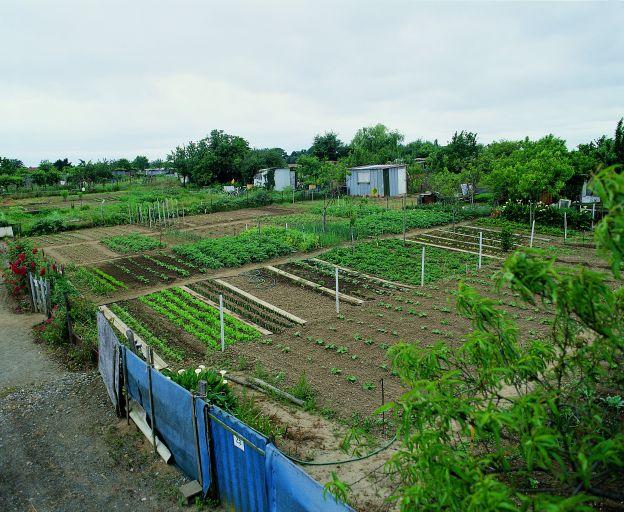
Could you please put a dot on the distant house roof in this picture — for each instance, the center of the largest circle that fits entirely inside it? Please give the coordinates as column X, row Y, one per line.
column 375, row 167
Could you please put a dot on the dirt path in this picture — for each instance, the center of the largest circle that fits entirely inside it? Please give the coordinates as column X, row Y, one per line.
column 61, row 446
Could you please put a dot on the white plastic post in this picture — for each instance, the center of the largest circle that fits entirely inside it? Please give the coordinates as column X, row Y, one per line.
column 222, row 324
column 565, row 226
column 480, row 248
column 532, row 233
column 593, row 214
column 422, row 267
column 337, row 294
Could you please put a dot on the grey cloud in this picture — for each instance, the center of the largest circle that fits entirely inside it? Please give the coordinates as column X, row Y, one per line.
column 111, row 78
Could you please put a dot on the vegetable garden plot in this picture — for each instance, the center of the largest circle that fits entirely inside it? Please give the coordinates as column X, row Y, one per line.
column 150, row 269
column 452, row 242
column 197, row 318
column 58, row 239
column 243, row 306
column 94, row 280
column 134, row 242
column 390, row 259
column 81, row 254
column 325, row 275
column 344, row 357
column 254, row 245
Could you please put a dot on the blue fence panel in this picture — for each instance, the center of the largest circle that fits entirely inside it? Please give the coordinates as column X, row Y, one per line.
column 137, row 380
column 201, row 415
column 175, row 422
column 109, row 351
column 290, row 489
column 240, row 465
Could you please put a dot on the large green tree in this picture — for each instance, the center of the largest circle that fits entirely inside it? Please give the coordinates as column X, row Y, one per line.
column 216, row 158
column 375, row 145
column 328, row 147
column 530, row 169
column 257, row 159
column 140, row 163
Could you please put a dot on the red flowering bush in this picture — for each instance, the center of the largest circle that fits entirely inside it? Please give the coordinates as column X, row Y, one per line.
column 23, row 258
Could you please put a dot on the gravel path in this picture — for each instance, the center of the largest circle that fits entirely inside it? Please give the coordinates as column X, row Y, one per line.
column 61, row 446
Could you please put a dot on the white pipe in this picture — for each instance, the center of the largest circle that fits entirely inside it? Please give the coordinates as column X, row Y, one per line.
column 532, row 233
column 565, row 226
column 422, row 267
column 222, row 324
column 337, row 294
column 480, row 247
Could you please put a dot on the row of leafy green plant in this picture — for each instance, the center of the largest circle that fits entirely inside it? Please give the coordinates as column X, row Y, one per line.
column 392, row 260
column 253, row 245
column 162, row 347
column 134, row 242
column 95, row 280
column 198, row 318
column 252, row 311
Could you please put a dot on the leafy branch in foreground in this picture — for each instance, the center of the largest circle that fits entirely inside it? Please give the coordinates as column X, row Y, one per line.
column 504, row 424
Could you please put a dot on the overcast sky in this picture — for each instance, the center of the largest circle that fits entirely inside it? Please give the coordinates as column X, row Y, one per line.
column 109, row 79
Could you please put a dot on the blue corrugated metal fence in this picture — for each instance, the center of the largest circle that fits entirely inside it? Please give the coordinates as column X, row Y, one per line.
column 224, row 455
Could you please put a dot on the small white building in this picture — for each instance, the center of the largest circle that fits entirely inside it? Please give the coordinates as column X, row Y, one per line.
column 284, row 178
column 383, row 180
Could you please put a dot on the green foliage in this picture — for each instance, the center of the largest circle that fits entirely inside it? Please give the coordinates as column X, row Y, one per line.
column 160, row 346
column 517, row 211
column 609, row 184
column 507, row 239
column 328, row 147
column 526, row 169
column 134, row 242
column 253, row 245
column 304, row 391
column 197, row 318
column 216, row 158
column 375, row 145
column 391, row 221
column 390, row 259
column 500, row 424
column 52, row 223
column 218, row 391
column 94, row 280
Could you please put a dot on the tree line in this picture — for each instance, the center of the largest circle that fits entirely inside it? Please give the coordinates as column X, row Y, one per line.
column 508, row 169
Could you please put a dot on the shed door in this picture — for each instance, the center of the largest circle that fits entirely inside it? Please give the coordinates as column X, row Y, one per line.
column 386, row 182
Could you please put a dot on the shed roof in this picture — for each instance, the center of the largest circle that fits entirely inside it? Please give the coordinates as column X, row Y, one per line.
column 375, row 167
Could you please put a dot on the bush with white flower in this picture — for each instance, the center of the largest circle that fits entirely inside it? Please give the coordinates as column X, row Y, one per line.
column 218, row 391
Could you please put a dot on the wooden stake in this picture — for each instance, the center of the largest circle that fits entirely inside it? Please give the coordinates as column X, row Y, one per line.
column 150, row 357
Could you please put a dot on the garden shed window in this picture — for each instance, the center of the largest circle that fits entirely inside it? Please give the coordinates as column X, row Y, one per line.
column 363, row 177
